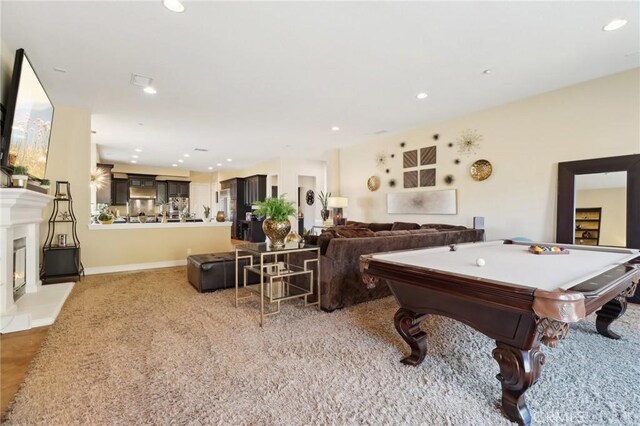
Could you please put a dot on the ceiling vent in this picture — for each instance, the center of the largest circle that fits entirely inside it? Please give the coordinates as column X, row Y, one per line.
column 140, row 80
column 381, row 132
column 201, row 149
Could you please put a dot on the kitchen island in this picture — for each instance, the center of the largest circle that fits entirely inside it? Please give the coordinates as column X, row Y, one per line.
column 132, row 246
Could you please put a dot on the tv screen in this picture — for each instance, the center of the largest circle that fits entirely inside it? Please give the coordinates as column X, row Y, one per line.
column 29, row 115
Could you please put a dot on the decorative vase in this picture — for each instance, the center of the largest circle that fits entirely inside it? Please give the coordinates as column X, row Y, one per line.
column 276, row 231
column 105, row 222
column 324, row 213
column 19, row 181
column 220, row 216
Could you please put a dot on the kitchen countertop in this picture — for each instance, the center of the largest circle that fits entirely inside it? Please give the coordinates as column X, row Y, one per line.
column 136, row 225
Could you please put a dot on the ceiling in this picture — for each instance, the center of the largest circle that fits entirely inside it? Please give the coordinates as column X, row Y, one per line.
column 254, row 81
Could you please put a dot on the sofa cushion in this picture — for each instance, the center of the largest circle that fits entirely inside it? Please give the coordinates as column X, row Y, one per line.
column 375, row 227
column 404, row 226
column 358, row 224
column 354, row 232
column 442, row 227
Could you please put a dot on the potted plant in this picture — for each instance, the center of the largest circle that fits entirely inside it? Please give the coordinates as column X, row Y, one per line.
column 324, row 201
column 207, row 213
column 45, row 183
column 276, row 212
column 20, row 176
column 105, row 218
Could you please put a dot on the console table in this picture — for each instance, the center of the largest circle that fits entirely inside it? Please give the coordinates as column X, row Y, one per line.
column 279, row 279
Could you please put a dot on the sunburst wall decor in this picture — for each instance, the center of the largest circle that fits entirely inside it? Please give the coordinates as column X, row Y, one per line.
column 469, row 141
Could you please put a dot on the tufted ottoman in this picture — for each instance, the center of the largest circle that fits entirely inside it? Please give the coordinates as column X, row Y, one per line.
column 209, row 272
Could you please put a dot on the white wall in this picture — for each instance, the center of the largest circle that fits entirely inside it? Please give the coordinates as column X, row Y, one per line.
column 524, row 141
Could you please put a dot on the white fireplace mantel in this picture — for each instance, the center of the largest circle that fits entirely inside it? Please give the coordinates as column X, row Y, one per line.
column 21, row 212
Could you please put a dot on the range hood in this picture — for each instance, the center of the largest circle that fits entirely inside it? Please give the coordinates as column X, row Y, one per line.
column 144, row 193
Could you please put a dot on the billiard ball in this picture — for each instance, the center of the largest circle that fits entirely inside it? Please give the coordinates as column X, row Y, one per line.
column 480, row 261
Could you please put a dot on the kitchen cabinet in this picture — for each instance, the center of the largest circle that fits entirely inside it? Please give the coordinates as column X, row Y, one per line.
column 120, row 191
column 103, row 194
column 162, row 192
column 255, row 189
column 237, row 206
column 177, row 188
column 142, row 182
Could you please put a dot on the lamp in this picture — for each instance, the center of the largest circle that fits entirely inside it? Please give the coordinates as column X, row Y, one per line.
column 337, row 204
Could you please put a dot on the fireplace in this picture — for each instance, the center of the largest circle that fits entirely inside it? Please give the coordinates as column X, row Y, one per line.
column 19, row 268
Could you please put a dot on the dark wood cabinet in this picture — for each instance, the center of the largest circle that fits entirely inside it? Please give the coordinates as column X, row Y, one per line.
column 120, row 192
column 588, row 226
column 237, row 205
column 142, row 181
column 103, row 194
column 255, row 189
column 162, row 192
column 176, row 188
column 251, row 230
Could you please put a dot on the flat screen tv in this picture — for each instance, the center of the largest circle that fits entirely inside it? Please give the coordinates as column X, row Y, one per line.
column 28, row 119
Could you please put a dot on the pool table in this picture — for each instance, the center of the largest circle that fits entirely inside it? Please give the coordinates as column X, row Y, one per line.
column 508, row 293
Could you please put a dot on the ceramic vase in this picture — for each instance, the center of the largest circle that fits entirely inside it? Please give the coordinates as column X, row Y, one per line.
column 220, row 216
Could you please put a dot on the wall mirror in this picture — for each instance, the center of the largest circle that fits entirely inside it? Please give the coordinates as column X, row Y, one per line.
column 566, row 205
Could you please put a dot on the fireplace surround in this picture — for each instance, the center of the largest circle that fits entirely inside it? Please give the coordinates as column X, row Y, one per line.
column 32, row 305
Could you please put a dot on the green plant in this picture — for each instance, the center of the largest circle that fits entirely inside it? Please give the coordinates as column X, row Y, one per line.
column 274, row 208
column 306, row 232
column 207, row 210
column 45, row 182
column 21, row 170
column 105, row 216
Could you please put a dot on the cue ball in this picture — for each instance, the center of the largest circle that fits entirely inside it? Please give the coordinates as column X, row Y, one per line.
column 480, row 261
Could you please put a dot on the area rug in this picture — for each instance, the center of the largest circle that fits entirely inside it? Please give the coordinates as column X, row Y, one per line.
column 146, row 348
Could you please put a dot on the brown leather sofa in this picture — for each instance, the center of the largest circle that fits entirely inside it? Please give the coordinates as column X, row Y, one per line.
column 341, row 247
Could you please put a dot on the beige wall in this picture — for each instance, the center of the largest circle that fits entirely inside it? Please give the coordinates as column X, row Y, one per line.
column 613, row 221
column 524, row 141
column 7, row 56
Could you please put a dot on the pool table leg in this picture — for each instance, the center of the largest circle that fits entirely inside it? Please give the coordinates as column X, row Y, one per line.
column 611, row 311
column 519, row 370
column 408, row 325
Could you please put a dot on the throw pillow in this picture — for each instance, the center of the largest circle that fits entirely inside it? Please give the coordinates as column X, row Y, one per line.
column 354, row 232
column 375, row 227
column 404, row 226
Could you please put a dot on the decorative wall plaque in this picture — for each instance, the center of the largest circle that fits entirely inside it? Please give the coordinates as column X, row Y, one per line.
column 428, row 155
column 411, row 179
column 428, row 177
column 410, row 159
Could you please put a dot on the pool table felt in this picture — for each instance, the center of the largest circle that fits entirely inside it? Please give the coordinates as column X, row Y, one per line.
column 513, row 263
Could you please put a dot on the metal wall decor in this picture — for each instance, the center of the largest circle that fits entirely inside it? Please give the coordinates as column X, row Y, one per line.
column 448, row 179
column 481, row 170
column 469, row 142
column 410, row 159
column 411, row 179
column 373, row 183
column 392, row 183
column 422, row 202
column 311, row 197
column 428, row 155
column 428, row 177
column 381, row 159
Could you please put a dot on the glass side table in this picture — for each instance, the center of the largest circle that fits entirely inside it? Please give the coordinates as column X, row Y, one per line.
column 280, row 280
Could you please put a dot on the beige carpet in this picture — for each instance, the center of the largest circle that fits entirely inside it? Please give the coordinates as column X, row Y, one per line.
column 146, row 348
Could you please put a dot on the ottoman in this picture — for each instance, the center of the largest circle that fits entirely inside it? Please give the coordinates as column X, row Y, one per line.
column 215, row 271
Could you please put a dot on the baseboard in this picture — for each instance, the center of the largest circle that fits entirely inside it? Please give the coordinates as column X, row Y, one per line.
column 133, row 267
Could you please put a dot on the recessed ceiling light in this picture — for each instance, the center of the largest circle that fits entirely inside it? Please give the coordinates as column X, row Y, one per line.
column 210, row 168
column 487, row 71
column 422, row 95
column 186, row 155
column 219, row 164
column 614, row 25
column 181, row 161
column 229, row 160
column 135, row 156
column 133, row 161
column 174, row 165
column 173, row 5
column 150, row 90
column 335, row 128
column 138, row 150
